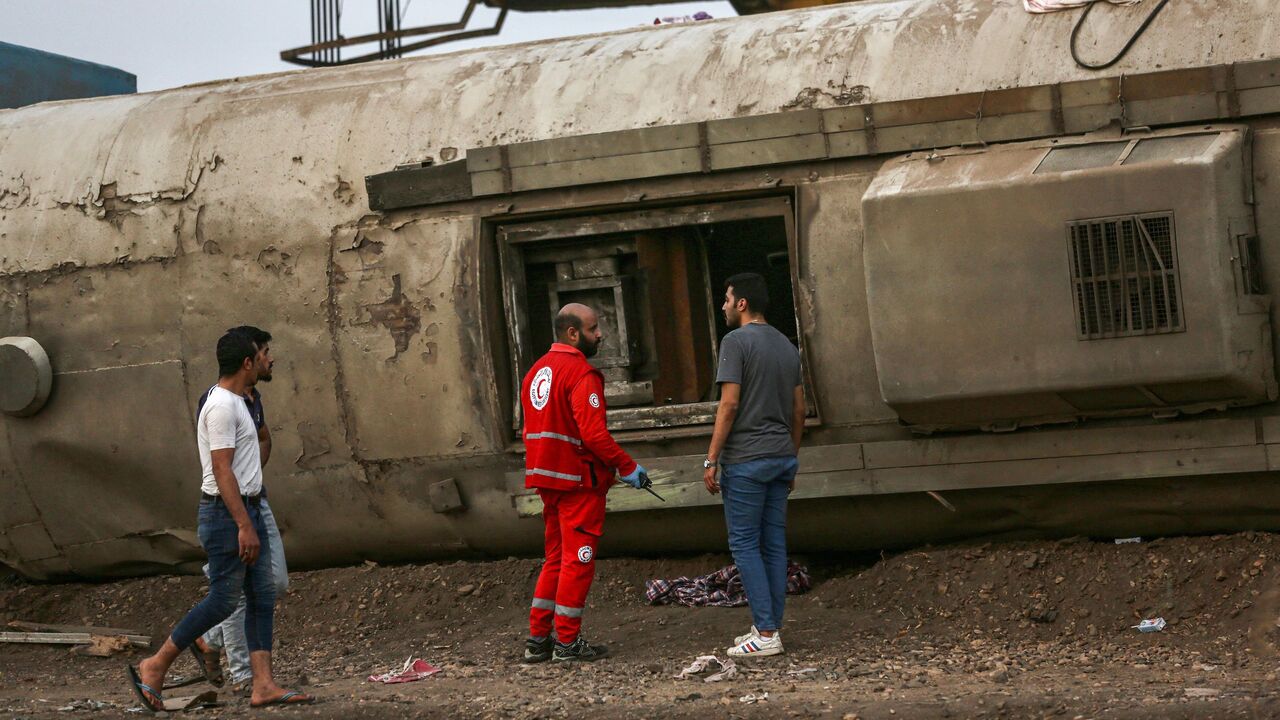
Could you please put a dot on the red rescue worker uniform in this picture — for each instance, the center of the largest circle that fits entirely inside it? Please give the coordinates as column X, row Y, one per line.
column 570, row 459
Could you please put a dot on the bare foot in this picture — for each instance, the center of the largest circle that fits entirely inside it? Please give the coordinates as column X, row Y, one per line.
column 212, row 662
column 151, row 674
column 274, row 693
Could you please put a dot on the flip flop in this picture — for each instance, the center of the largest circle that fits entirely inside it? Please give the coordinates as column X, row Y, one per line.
column 293, row 697
column 214, row 675
column 144, row 692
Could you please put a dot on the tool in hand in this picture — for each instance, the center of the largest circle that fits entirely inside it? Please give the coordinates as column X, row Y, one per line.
column 647, row 485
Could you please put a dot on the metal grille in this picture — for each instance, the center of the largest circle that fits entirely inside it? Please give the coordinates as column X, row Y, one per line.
column 1124, row 273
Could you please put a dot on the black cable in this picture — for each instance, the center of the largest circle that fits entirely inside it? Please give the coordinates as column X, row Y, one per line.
column 1132, row 39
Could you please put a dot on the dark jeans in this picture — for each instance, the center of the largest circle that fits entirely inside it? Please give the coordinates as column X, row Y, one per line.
column 755, row 511
column 228, row 577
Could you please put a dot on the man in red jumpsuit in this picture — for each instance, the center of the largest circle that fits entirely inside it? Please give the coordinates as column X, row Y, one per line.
column 571, row 460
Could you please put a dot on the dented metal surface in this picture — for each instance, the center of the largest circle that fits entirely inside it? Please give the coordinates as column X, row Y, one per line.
column 133, row 230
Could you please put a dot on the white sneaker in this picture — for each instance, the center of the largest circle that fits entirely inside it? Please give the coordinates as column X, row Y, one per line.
column 758, row 646
column 743, row 638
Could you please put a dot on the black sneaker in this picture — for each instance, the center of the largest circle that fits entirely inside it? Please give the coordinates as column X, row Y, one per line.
column 537, row 650
column 578, row 650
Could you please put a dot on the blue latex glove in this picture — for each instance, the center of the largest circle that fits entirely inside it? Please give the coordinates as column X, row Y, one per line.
column 637, row 479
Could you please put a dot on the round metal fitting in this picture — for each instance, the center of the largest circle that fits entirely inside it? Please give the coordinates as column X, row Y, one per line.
column 25, row 376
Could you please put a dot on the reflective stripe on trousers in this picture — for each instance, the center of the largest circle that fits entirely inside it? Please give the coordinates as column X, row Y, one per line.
column 573, row 523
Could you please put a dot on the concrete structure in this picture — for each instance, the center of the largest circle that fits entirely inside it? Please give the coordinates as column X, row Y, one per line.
column 32, row 76
column 637, row 169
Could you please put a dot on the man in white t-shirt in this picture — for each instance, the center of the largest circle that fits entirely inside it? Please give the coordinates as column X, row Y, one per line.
column 231, row 530
column 229, row 634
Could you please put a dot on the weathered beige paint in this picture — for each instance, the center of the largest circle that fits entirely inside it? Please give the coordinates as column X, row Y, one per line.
column 134, row 229
column 972, row 308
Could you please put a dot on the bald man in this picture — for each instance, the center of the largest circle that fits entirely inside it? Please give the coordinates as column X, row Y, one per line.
column 572, row 461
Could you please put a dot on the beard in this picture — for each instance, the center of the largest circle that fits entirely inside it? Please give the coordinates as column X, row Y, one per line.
column 588, row 346
column 732, row 318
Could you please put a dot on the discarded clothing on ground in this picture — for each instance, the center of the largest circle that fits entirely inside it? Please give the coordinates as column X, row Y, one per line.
column 727, row 669
column 413, row 669
column 1048, row 6
column 722, row 588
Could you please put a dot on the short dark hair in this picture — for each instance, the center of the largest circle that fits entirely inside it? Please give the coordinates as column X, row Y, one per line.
column 566, row 320
column 233, row 349
column 752, row 288
column 257, row 336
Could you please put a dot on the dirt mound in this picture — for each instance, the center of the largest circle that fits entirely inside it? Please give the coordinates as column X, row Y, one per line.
column 1071, row 587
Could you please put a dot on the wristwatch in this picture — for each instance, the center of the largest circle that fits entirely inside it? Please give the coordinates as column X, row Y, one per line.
column 708, row 463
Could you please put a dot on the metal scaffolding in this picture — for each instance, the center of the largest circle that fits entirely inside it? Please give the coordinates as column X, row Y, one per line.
column 327, row 40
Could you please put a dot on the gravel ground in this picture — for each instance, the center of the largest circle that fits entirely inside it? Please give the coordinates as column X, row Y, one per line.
column 1018, row 630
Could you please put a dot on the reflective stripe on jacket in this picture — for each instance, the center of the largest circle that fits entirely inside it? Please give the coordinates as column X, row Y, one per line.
column 567, row 446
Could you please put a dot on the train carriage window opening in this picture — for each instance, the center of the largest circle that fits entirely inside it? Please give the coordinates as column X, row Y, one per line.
column 657, row 278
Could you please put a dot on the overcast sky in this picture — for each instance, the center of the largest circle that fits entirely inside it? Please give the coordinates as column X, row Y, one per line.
column 167, row 43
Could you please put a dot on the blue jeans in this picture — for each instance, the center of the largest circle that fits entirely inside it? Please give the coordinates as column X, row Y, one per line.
column 229, row 577
column 755, row 511
column 229, row 634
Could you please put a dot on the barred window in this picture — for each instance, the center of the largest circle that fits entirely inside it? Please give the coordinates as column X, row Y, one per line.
column 1124, row 273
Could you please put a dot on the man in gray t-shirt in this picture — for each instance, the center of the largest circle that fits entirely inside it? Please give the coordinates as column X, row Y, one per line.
column 757, row 435
column 766, row 367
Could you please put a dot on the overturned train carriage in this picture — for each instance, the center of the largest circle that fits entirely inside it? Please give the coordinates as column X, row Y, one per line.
column 1037, row 291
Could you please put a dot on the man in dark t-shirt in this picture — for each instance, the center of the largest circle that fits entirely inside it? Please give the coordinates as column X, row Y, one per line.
column 756, row 438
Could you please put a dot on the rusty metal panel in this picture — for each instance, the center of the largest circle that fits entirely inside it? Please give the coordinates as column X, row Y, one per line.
column 841, row 119
column 642, row 220
column 1099, row 91
column 815, row 483
column 1087, row 118
column 419, row 186
column 768, row 152
column 1257, row 74
column 932, row 135
column 1018, row 126
column 607, row 169
column 1172, row 84
column 1172, row 110
column 1015, row 101
column 1090, row 468
column 484, row 158
column 489, row 182
column 761, row 127
column 847, row 144
column 927, row 110
column 1059, row 443
column 586, row 147
column 1260, row 101
column 833, row 458
column 824, row 471
column 1270, row 427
